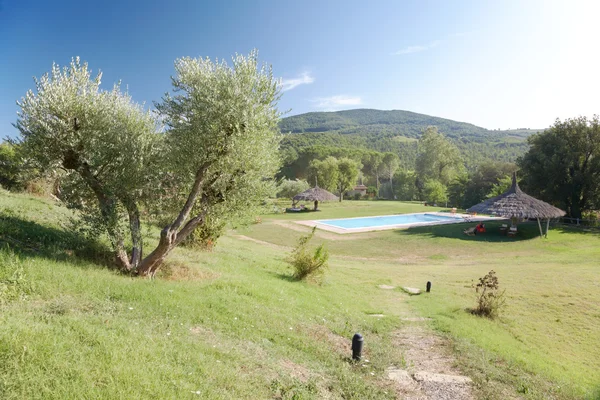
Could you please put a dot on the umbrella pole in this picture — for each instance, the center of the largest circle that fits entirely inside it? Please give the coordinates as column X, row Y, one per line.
column 547, row 226
column 540, row 225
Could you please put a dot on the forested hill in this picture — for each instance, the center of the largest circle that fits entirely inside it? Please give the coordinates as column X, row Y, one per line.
column 398, row 131
column 397, row 122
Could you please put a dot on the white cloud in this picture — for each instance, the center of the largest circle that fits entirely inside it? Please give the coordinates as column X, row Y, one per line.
column 304, row 79
column 334, row 103
column 417, row 48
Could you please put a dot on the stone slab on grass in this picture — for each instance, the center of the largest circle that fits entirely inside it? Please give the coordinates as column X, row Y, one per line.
column 411, row 290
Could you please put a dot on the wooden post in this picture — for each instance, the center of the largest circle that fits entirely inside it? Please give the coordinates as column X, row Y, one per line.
column 547, row 226
column 540, row 225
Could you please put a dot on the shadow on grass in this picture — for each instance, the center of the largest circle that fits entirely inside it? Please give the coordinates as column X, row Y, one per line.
column 31, row 239
column 285, row 277
column 582, row 230
column 527, row 231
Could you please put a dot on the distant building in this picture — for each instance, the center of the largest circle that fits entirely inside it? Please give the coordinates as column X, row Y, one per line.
column 360, row 189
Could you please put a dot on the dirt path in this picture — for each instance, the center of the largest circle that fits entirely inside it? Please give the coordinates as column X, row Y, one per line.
column 429, row 372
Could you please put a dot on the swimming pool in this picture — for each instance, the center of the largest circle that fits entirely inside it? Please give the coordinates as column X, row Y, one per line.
column 388, row 221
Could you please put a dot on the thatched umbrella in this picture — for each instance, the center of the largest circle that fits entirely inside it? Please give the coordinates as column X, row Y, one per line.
column 315, row 194
column 515, row 204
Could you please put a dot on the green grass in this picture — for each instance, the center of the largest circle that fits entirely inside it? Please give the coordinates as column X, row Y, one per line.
column 549, row 333
column 227, row 324
column 232, row 324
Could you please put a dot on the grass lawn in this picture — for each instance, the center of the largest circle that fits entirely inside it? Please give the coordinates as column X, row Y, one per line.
column 546, row 343
column 232, row 324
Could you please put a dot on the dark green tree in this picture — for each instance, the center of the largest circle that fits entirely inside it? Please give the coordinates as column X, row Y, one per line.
column 562, row 165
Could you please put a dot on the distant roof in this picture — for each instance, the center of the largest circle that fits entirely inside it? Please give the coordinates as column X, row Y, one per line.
column 360, row 187
column 515, row 203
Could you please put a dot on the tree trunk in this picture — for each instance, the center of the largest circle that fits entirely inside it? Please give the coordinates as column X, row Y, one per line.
column 136, row 233
column 171, row 236
column 108, row 205
column 169, row 239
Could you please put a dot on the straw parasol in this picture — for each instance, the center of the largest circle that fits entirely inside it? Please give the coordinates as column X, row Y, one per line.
column 315, row 194
column 515, row 204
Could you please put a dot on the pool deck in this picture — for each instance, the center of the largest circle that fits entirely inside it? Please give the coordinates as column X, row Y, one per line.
column 463, row 218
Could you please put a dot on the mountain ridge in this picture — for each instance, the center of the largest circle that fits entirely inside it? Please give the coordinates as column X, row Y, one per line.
column 401, row 122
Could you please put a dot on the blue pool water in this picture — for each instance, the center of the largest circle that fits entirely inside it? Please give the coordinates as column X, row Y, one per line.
column 386, row 220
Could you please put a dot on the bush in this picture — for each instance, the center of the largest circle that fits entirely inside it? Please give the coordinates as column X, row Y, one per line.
column 205, row 236
column 590, row 218
column 490, row 299
column 305, row 262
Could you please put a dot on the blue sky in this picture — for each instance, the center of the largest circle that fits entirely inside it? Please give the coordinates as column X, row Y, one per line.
column 497, row 64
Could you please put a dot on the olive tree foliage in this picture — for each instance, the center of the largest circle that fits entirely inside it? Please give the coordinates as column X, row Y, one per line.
column 104, row 143
column 216, row 158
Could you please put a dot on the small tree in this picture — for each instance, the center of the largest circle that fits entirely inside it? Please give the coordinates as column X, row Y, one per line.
column 435, row 191
column 490, row 299
column 307, row 263
column 347, row 174
column 288, row 188
column 390, row 164
column 324, row 173
column 437, row 158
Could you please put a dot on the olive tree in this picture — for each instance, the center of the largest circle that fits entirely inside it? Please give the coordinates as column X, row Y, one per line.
column 216, row 157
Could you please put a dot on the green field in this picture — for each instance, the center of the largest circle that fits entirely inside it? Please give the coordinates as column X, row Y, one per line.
column 232, row 323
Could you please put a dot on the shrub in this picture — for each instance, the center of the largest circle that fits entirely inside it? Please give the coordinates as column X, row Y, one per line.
column 490, row 299
column 205, row 236
column 307, row 263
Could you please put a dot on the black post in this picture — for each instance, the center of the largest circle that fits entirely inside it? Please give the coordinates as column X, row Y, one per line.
column 428, row 286
column 357, row 345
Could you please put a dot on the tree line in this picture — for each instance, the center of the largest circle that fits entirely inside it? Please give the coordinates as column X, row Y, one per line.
column 561, row 166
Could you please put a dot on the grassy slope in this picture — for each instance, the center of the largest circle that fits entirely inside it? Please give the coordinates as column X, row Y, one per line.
column 545, row 344
column 232, row 325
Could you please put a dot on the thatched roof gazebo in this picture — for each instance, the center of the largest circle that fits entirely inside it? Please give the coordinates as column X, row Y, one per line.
column 515, row 204
column 315, row 194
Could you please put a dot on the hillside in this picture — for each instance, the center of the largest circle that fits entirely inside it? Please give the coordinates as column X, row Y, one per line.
column 398, row 131
column 396, row 122
column 234, row 324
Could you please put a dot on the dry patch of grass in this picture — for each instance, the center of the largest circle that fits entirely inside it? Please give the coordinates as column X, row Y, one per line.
column 175, row 270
